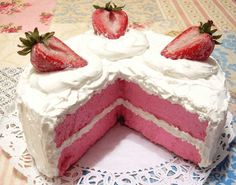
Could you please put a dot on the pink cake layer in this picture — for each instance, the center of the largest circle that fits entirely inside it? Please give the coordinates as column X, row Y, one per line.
column 173, row 114
column 72, row 153
column 159, row 136
column 75, row 151
column 74, row 122
column 162, row 109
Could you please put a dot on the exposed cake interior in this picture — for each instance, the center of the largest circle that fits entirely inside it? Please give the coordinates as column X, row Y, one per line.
column 73, row 152
column 161, row 109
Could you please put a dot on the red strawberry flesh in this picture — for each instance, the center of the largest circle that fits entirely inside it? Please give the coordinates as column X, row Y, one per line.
column 55, row 56
column 179, row 43
column 195, row 43
column 110, row 23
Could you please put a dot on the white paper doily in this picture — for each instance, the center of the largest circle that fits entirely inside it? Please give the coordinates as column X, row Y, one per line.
column 142, row 162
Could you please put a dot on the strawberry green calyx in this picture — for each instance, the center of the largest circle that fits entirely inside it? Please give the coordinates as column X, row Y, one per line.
column 207, row 28
column 31, row 39
column 110, row 7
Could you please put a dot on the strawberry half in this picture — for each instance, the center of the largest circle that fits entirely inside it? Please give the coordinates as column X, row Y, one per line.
column 48, row 53
column 195, row 43
column 110, row 21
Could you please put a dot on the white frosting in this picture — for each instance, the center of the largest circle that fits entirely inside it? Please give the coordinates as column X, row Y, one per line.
column 50, row 93
column 47, row 98
column 181, row 68
column 133, row 43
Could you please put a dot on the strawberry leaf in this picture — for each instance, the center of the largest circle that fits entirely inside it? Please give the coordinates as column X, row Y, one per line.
column 20, row 46
column 25, row 42
column 216, row 42
column 213, row 31
column 24, row 51
column 46, row 36
column 29, row 36
column 98, row 7
column 215, row 37
column 31, row 39
column 109, row 7
column 206, row 28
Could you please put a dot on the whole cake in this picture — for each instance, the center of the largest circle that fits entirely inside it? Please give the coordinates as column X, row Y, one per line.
column 69, row 98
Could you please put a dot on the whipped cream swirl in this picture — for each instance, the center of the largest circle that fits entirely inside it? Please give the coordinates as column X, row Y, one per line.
column 51, row 93
column 181, row 68
column 133, row 43
column 68, row 79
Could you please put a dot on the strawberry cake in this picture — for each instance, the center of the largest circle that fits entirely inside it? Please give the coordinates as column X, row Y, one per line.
column 73, row 93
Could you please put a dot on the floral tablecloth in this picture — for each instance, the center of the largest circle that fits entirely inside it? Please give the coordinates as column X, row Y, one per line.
column 71, row 17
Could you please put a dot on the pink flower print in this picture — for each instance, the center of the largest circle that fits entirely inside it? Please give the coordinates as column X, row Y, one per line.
column 12, row 7
column 45, row 18
column 9, row 28
column 138, row 26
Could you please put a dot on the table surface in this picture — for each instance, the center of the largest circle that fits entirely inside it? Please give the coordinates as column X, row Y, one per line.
column 72, row 17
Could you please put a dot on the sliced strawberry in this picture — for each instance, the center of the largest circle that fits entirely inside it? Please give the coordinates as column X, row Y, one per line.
column 195, row 43
column 48, row 53
column 57, row 55
column 110, row 21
